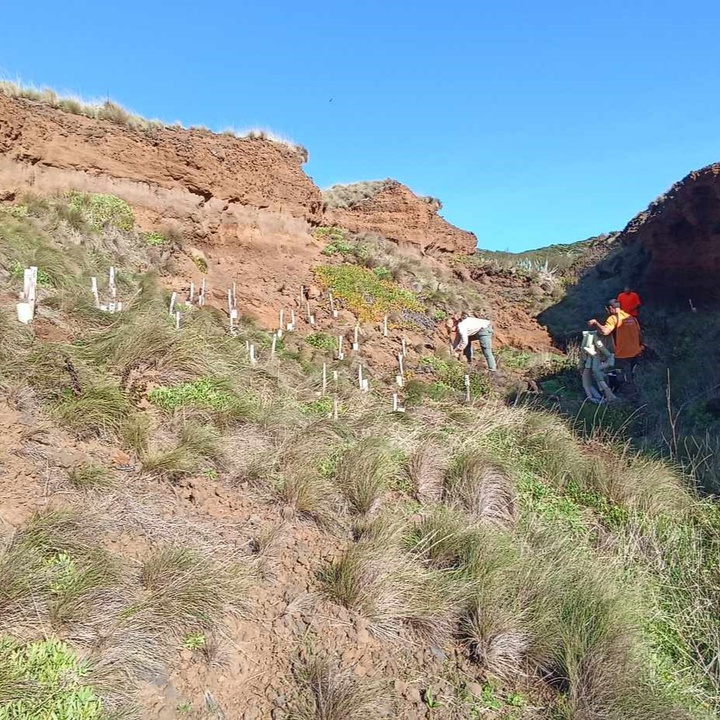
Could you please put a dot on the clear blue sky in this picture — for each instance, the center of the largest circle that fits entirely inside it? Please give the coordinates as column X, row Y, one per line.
column 534, row 122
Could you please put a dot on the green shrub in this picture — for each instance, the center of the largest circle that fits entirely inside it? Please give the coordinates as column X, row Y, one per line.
column 321, row 341
column 369, row 297
column 203, row 393
column 200, row 263
column 154, row 239
column 43, row 680
column 101, row 211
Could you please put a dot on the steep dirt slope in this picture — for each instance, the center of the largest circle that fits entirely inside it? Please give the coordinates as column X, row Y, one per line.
column 680, row 233
column 395, row 212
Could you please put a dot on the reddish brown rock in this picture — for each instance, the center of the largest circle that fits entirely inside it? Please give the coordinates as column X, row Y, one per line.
column 680, row 235
column 396, row 213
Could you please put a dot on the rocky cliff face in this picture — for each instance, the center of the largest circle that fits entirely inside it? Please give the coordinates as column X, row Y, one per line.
column 211, row 184
column 680, row 237
column 396, row 213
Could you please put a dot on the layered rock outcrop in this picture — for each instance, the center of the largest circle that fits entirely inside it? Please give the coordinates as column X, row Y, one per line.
column 398, row 214
column 207, row 182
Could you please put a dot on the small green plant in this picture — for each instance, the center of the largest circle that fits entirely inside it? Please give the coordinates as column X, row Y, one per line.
column 100, row 211
column 210, row 473
column 184, row 708
column 200, row 263
column 431, row 700
column 17, row 272
column 43, row 680
column 321, row 341
column 382, row 273
column 14, row 211
column 322, row 407
column 364, row 293
column 85, row 477
column 194, row 641
column 154, row 239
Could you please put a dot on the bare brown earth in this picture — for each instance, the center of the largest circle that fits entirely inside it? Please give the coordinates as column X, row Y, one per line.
column 401, row 216
column 680, row 234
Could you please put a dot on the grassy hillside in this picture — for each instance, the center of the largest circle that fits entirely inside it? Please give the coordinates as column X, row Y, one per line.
column 179, row 522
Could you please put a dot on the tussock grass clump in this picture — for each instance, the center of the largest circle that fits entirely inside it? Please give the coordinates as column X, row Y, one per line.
column 197, row 444
column 426, row 468
column 188, row 591
column 481, row 488
column 56, row 561
column 363, row 474
column 394, row 590
column 95, row 411
column 325, row 692
column 145, row 338
column 311, row 497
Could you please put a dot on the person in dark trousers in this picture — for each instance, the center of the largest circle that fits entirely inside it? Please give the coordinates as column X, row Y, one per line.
column 473, row 328
column 626, row 335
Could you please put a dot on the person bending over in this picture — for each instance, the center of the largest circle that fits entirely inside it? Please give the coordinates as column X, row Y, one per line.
column 473, row 328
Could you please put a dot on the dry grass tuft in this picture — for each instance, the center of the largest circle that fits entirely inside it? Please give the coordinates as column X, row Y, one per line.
column 328, row 693
column 196, row 445
column 311, row 497
column 363, row 474
column 394, row 590
column 426, row 470
column 187, row 591
column 88, row 477
column 482, row 489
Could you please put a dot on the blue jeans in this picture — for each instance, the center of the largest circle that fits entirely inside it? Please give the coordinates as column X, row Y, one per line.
column 484, row 337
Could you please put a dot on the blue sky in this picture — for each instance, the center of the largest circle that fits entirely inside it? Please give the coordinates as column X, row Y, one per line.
column 534, row 122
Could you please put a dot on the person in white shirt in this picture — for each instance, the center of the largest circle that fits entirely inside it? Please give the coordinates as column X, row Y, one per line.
column 473, row 328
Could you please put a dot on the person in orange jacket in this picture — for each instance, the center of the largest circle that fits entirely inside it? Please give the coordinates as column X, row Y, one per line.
column 629, row 301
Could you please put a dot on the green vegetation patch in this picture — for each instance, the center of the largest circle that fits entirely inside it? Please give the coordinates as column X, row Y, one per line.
column 101, row 211
column 364, row 293
column 204, row 393
column 154, row 239
column 451, row 374
column 43, row 680
column 321, row 341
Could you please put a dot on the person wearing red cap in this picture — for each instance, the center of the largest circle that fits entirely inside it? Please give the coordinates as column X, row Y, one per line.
column 625, row 330
column 629, row 301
